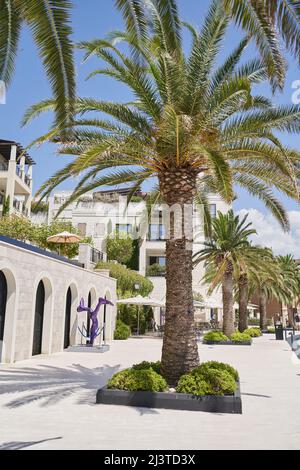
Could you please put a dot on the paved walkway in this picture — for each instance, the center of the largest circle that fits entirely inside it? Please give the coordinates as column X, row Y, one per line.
column 48, row 403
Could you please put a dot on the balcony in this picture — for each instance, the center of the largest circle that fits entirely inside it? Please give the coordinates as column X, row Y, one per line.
column 96, row 256
column 156, row 270
column 19, row 207
column 21, row 174
column 156, row 233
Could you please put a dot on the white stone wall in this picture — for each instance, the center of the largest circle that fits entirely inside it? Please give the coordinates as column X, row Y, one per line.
column 24, row 270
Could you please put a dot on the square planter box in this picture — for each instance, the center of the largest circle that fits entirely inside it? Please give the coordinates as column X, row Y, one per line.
column 172, row 401
column 228, row 343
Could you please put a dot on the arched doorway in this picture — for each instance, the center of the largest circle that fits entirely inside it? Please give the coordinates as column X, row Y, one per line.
column 3, row 299
column 38, row 319
column 68, row 318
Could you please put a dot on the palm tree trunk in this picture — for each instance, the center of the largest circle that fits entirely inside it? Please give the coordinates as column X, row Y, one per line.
column 228, row 313
column 243, row 302
column 290, row 315
column 263, row 310
column 180, row 349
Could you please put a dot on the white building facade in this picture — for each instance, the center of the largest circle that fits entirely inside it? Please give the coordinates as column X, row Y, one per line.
column 39, row 295
column 15, row 178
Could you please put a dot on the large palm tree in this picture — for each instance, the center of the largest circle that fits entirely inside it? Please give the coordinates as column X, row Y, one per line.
column 49, row 22
column 224, row 253
column 194, row 126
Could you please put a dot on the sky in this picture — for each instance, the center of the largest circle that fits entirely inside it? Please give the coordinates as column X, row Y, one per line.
column 94, row 19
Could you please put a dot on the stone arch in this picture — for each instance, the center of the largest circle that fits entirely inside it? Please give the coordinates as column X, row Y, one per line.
column 42, row 316
column 72, row 292
column 8, row 314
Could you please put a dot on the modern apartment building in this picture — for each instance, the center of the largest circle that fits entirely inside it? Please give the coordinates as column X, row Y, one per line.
column 15, row 178
column 101, row 213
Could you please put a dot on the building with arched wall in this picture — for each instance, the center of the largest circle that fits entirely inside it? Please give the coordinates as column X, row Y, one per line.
column 39, row 295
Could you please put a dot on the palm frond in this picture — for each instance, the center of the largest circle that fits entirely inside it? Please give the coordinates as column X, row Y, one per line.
column 49, row 21
column 9, row 38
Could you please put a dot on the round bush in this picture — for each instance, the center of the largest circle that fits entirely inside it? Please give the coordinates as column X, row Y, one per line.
column 207, row 381
column 122, row 331
column 145, row 365
column 220, row 366
column 216, row 336
column 138, row 380
column 240, row 337
column 253, row 332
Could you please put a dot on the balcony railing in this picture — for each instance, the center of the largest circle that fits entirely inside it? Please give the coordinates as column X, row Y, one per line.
column 19, row 206
column 27, row 180
column 96, row 256
column 156, row 270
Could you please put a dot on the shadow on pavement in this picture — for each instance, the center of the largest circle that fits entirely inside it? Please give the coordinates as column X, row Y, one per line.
column 49, row 384
column 18, row 445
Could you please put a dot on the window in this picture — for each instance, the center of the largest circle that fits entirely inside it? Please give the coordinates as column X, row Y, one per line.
column 82, row 229
column 157, row 232
column 161, row 260
column 99, row 230
column 213, row 210
column 124, row 228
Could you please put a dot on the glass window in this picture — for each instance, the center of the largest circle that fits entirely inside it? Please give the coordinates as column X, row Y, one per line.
column 157, row 232
column 213, row 210
column 125, row 228
column 82, row 229
column 161, row 260
column 100, row 230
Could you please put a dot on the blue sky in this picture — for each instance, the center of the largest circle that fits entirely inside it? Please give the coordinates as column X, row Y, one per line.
column 91, row 19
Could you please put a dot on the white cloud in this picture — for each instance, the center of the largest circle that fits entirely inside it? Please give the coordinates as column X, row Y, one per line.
column 270, row 234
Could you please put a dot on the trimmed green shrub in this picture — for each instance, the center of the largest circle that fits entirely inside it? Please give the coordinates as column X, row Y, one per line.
column 138, row 380
column 271, row 329
column 240, row 337
column 253, row 332
column 127, row 279
column 220, row 366
column 207, row 381
column 119, row 246
column 217, row 336
column 122, row 331
column 145, row 365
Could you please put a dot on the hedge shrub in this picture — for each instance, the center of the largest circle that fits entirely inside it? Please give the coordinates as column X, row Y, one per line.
column 127, row 279
column 253, row 332
column 138, row 380
column 145, row 365
column 208, row 380
column 220, row 366
column 217, row 336
column 240, row 337
column 122, row 331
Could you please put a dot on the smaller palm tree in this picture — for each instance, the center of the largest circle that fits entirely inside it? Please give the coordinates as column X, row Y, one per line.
column 290, row 272
column 224, row 253
column 254, row 258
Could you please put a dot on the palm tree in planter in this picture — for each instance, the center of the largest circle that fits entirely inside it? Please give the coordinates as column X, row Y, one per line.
column 49, row 23
column 193, row 126
column 225, row 253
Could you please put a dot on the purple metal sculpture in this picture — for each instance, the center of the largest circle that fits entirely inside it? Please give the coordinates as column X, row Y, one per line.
column 93, row 314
